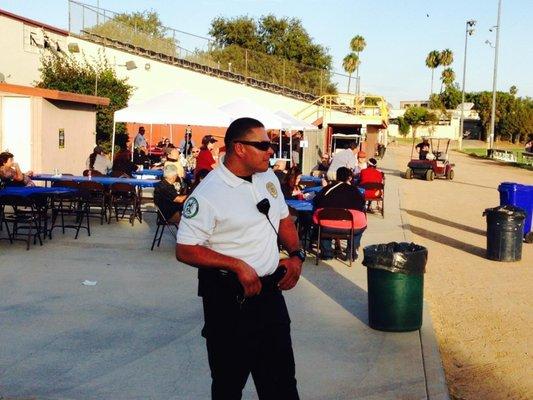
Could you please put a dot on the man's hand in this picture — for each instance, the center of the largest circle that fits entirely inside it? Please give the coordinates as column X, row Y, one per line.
column 249, row 280
column 294, row 269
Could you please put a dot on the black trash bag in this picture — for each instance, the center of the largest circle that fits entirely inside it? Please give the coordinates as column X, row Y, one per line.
column 405, row 258
column 509, row 212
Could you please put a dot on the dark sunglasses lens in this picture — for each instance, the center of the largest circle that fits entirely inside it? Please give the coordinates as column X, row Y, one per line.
column 263, row 146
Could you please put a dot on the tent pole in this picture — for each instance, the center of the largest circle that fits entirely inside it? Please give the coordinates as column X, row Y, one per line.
column 171, row 137
column 290, row 148
column 280, row 133
column 113, row 141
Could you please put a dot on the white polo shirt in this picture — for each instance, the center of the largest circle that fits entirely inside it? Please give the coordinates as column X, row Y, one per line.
column 344, row 158
column 221, row 214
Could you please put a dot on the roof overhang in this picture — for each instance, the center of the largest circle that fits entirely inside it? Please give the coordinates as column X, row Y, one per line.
column 51, row 94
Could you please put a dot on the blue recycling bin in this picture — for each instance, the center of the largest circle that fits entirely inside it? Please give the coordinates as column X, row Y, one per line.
column 519, row 195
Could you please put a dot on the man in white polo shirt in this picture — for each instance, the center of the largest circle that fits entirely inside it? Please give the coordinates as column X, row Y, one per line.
column 229, row 231
column 344, row 158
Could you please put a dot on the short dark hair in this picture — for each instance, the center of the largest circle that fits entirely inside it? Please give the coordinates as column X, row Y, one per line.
column 238, row 129
column 353, row 145
column 4, row 157
column 343, row 174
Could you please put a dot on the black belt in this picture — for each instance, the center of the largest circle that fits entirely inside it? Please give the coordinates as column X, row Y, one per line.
column 215, row 280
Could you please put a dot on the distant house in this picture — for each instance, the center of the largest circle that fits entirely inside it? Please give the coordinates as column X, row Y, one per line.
column 414, row 103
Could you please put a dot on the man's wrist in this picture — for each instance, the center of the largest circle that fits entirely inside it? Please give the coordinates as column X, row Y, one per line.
column 298, row 253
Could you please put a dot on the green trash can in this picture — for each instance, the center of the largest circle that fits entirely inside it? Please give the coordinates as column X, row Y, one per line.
column 395, row 285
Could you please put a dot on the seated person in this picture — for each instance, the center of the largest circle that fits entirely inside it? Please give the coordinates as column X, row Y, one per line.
column 361, row 163
column 321, row 168
column 205, row 159
column 170, row 194
column 290, row 187
column 98, row 162
column 342, row 194
column 122, row 163
column 371, row 179
column 10, row 173
column 423, row 149
column 279, row 168
column 175, row 158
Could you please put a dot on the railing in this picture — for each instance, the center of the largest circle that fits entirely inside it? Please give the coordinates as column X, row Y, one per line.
column 364, row 106
column 90, row 22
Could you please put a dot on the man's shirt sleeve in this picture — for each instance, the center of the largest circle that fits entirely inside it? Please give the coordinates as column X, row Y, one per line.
column 197, row 221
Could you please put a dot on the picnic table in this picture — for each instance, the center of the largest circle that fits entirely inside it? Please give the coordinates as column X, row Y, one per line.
column 310, row 178
column 104, row 180
column 148, row 174
column 29, row 191
column 300, row 205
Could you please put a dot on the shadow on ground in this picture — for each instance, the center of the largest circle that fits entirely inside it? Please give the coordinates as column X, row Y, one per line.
column 433, row 218
column 446, row 240
column 340, row 289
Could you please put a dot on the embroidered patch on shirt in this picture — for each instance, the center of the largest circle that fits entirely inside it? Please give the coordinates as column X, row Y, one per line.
column 191, row 208
column 272, row 189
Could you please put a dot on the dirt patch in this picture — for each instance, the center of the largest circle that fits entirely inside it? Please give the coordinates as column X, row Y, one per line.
column 481, row 309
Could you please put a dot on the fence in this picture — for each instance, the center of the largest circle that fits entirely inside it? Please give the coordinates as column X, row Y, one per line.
column 88, row 21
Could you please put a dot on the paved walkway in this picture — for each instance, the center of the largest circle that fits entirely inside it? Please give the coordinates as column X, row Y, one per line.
column 136, row 334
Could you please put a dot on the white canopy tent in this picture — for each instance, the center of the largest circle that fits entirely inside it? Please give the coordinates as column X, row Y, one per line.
column 246, row 108
column 178, row 107
column 294, row 123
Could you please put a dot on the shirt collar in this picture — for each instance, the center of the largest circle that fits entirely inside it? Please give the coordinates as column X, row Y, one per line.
column 229, row 177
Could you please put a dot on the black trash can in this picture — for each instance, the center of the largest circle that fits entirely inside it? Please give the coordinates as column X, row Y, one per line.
column 505, row 231
column 395, row 285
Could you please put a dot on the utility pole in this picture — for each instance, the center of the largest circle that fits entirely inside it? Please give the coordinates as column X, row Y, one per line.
column 490, row 139
column 469, row 32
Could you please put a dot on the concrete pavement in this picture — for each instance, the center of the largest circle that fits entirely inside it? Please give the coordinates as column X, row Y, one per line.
column 136, row 334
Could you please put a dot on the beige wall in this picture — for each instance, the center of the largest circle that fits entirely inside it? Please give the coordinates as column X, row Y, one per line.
column 79, row 123
column 439, row 131
column 18, row 57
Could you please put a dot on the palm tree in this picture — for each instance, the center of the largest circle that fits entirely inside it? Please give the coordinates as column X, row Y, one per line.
column 447, row 77
column 350, row 64
column 432, row 62
column 446, row 58
column 357, row 44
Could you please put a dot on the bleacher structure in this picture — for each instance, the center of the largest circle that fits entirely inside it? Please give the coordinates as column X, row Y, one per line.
column 125, row 38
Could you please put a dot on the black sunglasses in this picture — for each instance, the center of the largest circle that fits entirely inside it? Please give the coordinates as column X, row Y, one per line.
column 263, row 146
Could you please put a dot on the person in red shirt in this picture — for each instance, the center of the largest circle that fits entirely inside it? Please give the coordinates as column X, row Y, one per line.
column 205, row 159
column 371, row 179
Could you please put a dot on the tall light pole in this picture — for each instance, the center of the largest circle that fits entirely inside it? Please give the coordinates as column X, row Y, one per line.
column 490, row 139
column 468, row 32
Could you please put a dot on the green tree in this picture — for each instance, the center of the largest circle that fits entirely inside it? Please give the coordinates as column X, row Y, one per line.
column 143, row 29
column 446, row 57
column 447, row 77
column 403, row 126
column 273, row 49
column 69, row 75
column 418, row 116
column 350, row 63
column 357, row 45
column 432, row 62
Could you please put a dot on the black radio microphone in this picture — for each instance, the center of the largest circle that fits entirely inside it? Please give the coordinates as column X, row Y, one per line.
column 264, row 206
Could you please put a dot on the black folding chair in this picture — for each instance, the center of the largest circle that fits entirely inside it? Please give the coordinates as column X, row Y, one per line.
column 162, row 223
column 335, row 214
column 23, row 217
column 123, row 197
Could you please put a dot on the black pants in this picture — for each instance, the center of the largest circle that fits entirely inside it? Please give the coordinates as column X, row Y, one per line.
column 252, row 337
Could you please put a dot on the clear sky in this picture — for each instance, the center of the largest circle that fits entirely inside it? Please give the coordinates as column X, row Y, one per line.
column 399, row 34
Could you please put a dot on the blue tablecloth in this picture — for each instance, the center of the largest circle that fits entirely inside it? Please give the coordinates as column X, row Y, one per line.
column 310, row 189
column 300, row 205
column 28, row 191
column 158, row 173
column 309, row 178
column 105, row 180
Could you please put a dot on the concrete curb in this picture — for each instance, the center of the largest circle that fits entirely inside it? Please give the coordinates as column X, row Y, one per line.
column 436, row 387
